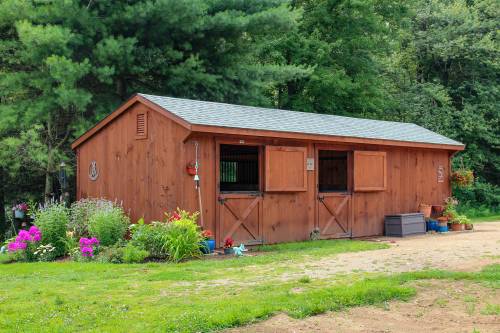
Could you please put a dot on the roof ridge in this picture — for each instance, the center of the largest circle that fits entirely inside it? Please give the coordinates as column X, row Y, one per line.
column 277, row 109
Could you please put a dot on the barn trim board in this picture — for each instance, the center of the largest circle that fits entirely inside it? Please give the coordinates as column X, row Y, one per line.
column 142, row 149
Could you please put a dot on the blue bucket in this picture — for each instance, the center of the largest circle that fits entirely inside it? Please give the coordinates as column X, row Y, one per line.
column 432, row 225
column 442, row 228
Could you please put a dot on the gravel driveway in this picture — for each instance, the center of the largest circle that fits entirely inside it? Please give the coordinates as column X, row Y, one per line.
column 467, row 250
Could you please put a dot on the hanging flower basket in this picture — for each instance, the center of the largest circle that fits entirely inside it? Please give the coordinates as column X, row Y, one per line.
column 191, row 168
column 20, row 210
column 462, row 177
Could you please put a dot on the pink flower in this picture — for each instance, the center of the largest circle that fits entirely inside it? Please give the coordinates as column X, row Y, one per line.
column 16, row 246
column 36, row 234
column 87, row 251
column 23, row 236
column 87, row 246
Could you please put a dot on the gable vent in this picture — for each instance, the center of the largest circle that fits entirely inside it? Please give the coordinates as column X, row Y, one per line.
column 141, row 126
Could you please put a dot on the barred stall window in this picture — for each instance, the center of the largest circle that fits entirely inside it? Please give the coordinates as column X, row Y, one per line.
column 332, row 168
column 239, row 168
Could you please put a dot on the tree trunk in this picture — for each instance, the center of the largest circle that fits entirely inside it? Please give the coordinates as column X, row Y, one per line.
column 48, row 176
column 3, row 220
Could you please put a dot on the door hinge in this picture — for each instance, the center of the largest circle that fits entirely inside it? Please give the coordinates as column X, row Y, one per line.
column 320, row 198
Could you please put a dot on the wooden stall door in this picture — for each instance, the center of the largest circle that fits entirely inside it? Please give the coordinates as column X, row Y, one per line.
column 240, row 217
column 334, row 215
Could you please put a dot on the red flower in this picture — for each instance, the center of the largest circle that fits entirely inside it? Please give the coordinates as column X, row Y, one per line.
column 228, row 242
column 174, row 217
column 207, row 234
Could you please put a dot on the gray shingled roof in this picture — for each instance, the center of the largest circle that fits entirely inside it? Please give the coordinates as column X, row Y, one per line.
column 249, row 117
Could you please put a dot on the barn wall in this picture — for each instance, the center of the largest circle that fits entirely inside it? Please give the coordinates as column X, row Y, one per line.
column 411, row 180
column 149, row 177
column 142, row 174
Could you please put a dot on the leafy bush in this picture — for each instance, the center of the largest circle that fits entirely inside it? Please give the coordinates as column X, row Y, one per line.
column 479, row 199
column 52, row 219
column 133, row 254
column 111, row 254
column 109, row 225
column 80, row 213
column 150, row 237
column 182, row 240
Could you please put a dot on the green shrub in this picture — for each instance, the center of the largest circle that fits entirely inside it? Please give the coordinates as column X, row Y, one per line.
column 52, row 220
column 111, row 254
column 182, row 240
column 133, row 254
column 479, row 199
column 108, row 225
column 150, row 237
column 80, row 213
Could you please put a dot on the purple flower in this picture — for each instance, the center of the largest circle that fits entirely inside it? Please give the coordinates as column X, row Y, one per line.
column 87, row 251
column 16, row 246
column 34, row 230
column 87, row 246
column 36, row 234
column 23, row 236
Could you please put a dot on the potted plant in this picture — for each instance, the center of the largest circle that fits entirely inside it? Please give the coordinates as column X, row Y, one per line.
column 228, row 245
column 438, row 209
column 425, row 209
column 209, row 241
column 20, row 210
column 459, row 223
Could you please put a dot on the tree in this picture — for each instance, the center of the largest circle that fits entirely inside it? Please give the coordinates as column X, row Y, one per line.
column 66, row 64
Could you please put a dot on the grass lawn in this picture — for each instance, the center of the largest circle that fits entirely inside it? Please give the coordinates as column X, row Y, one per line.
column 195, row 296
column 490, row 218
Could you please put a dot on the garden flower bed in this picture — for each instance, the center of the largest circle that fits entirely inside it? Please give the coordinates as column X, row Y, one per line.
column 95, row 230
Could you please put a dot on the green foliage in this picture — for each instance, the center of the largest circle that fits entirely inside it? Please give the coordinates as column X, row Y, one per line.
column 183, row 237
column 80, row 213
column 150, row 237
column 461, row 219
column 111, row 254
column 108, row 225
column 479, row 199
column 133, row 254
column 52, row 220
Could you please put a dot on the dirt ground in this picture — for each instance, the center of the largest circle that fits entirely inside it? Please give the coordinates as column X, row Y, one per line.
column 440, row 306
column 466, row 251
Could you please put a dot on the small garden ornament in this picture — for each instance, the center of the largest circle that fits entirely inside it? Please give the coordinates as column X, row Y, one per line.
column 238, row 251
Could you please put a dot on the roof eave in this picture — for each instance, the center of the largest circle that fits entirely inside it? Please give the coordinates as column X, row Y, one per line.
column 121, row 109
column 319, row 137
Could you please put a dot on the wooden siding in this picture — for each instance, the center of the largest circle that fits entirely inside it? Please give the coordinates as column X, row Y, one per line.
column 149, row 177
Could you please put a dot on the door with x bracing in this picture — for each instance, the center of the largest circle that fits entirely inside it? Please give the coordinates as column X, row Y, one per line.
column 240, row 217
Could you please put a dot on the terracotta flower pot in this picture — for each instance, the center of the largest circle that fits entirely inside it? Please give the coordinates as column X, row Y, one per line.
column 425, row 209
column 457, row 227
column 442, row 220
column 469, row 226
column 438, row 209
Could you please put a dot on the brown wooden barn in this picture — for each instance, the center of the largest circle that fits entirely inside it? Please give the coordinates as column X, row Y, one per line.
column 266, row 175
